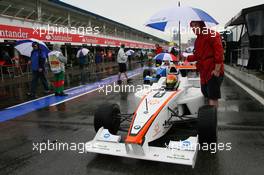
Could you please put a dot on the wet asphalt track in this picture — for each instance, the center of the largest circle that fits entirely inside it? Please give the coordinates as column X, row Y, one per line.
column 240, row 120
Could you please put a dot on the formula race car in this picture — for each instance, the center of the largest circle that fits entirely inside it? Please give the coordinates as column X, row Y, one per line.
column 173, row 99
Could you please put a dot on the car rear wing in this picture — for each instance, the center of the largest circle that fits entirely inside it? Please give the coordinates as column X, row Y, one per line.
column 178, row 152
column 186, row 67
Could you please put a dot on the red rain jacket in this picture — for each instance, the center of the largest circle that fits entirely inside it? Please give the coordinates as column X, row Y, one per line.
column 158, row 50
column 208, row 52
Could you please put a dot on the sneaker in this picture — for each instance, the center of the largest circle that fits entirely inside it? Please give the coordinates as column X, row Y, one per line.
column 29, row 94
column 46, row 92
column 129, row 80
column 63, row 94
column 119, row 82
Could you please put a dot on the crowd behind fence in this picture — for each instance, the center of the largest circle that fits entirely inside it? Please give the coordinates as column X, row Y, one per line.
column 18, row 68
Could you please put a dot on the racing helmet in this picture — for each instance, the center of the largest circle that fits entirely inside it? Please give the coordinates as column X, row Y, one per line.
column 171, row 81
column 158, row 63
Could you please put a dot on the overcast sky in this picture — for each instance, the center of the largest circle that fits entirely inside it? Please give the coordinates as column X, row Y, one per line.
column 135, row 13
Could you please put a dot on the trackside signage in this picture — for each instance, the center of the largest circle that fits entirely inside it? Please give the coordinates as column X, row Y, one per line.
column 15, row 33
column 18, row 33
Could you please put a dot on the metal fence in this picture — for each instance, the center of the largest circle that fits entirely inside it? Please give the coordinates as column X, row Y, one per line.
column 240, row 57
column 16, row 71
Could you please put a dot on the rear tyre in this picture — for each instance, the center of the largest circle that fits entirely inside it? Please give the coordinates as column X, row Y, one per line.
column 146, row 82
column 119, row 82
column 146, row 72
column 107, row 116
column 207, row 124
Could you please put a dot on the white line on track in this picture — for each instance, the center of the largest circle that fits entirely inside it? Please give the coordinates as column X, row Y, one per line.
column 68, row 99
column 251, row 92
column 29, row 101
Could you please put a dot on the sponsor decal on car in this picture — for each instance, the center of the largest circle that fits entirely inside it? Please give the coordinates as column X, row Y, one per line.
column 154, row 101
column 137, row 127
column 157, row 130
column 102, row 147
column 178, row 156
column 186, row 143
column 106, row 136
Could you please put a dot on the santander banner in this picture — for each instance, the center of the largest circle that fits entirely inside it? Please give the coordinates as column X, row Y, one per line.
column 18, row 33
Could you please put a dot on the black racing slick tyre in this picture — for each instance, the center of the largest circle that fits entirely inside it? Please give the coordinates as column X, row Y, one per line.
column 107, row 116
column 207, row 124
column 146, row 82
column 146, row 72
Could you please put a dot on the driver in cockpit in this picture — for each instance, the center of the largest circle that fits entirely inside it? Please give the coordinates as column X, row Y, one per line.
column 172, row 82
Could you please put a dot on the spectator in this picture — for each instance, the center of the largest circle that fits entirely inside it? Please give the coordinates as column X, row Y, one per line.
column 103, row 56
column 98, row 60
column 109, row 56
column 83, row 59
column 122, row 60
column 6, row 57
column 158, row 49
column 114, row 55
column 141, row 56
column 38, row 60
column 90, row 58
column 209, row 56
column 129, row 58
column 57, row 65
column 174, row 52
column 83, row 62
column 90, row 62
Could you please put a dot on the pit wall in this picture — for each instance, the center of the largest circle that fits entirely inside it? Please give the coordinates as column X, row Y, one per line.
column 248, row 79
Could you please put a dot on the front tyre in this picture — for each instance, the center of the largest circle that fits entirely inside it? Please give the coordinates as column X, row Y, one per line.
column 207, row 124
column 107, row 116
column 146, row 72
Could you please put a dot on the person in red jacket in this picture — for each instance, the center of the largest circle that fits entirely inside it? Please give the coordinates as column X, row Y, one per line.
column 158, row 49
column 209, row 55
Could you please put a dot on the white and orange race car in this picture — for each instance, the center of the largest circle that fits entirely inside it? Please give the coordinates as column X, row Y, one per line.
column 160, row 107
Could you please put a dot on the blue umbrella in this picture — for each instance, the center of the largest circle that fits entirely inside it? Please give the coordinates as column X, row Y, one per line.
column 172, row 17
column 24, row 47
